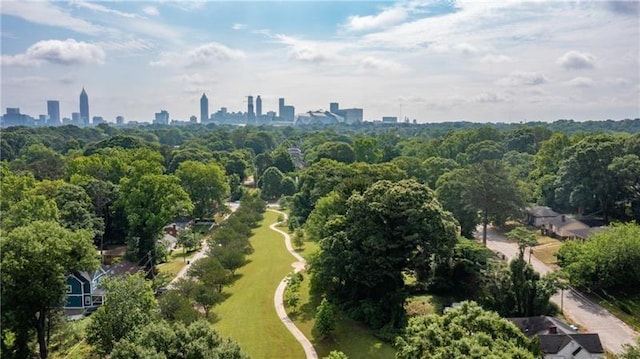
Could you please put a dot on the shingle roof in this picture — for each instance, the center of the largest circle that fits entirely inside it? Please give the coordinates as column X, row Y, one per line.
column 553, row 343
column 542, row 211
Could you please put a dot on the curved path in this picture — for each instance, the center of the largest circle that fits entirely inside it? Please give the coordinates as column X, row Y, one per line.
column 612, row 331
column 278, row 298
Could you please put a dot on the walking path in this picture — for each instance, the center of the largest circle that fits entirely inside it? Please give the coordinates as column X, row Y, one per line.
column 612, row 331
column 278, row 298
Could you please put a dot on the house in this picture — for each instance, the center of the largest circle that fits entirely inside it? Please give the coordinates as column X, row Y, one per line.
column 533, row 326
column 84, row 293
column 539, row 216
column 579, row 346
column 562, row 225
column 583, row 234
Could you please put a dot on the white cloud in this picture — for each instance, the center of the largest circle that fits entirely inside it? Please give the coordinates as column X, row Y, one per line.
column 496, row 59
column 306, row 50
column 580, row 82
column 574, row 60
column 45, row 13
column 489, row 97
column 385, row 18
column 371, row 63
column 151, row 10
column 128, row 45
column 68, row 52
column 101, row 8
column 200, row 56
column 238, row 26
column 522, row 78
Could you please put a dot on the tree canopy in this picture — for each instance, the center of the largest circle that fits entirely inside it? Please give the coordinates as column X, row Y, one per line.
column 465, row 332
column 389, row 229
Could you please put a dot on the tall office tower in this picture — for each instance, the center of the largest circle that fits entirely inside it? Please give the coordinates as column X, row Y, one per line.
column 258, row 106
column 334, row 107
column 84, row 108
column 119, row 120
column 251, row 115
column 280, row 106
column 53, row 110
column 204, row 109
column 75, row 118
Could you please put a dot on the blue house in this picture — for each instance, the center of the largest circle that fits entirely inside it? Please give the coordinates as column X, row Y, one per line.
column 84, row 292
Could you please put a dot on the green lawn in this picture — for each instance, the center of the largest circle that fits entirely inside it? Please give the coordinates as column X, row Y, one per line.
column 248, row 315
column 350, row 337
column 175, row 262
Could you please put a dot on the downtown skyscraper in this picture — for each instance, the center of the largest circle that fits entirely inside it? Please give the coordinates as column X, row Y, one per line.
column 204, row 109
column 53, row 110
column 84, row 108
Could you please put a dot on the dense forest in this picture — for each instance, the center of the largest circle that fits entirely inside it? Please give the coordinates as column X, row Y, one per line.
column 392, row 209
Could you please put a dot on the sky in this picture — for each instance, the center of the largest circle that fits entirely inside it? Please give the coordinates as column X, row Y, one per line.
column 433, row 61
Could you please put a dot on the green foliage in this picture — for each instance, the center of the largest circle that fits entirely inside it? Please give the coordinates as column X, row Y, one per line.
column 392, row 228
column 517, row 290
column 325, row 320
column 150, row 202
column 298, row 238
column 463, row 274
column 524, row 237
column 608, row 259
column 465, row 332
column 162, row 340
column 42, row 161
column 35, row 261
column 176, row 307
column 334, row 354
column 452, row 191
column 338, row 151
column 130, row 305
column 206, row 185
column 631, row 351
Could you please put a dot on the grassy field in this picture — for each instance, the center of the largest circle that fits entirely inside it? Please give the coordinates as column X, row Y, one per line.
column 175, row 262
column 349, row 337
column 248, row 315
column 546, row 251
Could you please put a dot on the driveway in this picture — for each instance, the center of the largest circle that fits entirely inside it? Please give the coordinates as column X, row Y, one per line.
column 591, row 316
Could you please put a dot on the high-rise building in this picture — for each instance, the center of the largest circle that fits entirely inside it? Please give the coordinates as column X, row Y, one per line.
column 251, row 115
column 75, row 118
column 162, row 118
column 84, row 108
column 280, row 106
column 204, row 109
column 258, row 106
column 334, row 107
column 119, row 120
column 53, row 110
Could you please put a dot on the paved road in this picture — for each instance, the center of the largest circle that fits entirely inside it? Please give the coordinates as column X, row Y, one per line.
column 591, row 316
column 278, row 298
column 201, row 253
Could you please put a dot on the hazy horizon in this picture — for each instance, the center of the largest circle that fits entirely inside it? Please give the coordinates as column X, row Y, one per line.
column 433, row 61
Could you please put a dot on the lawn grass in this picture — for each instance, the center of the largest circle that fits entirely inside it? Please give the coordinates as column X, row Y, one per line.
column 175, row 262
column 248, row 315
column 350, row 337
column 546, row 250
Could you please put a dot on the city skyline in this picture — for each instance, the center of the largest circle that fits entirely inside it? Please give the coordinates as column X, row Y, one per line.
column 433, row 61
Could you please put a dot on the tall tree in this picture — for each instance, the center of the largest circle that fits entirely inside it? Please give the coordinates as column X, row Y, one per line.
column 35, row 261
column 130, row 305
column 389, row 229
column 491, row 193
column 465, row 332
column 206, row 185
column 150, row 202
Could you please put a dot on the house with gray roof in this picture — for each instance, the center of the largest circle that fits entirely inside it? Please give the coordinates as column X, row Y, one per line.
column 578, row 346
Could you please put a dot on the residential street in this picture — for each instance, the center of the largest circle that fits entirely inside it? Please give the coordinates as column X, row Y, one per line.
column 591, row 316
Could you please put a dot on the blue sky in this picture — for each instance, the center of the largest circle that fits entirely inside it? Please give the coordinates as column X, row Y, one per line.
column 434, row 61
